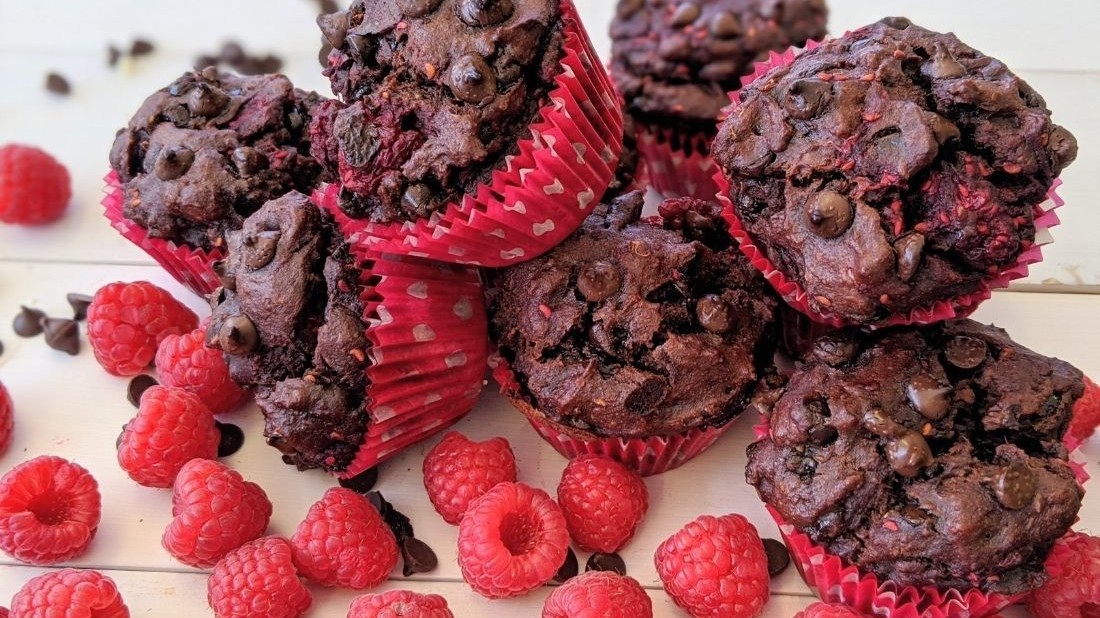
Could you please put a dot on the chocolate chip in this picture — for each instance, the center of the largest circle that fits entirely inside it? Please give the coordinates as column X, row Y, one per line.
column 141, row 47
column 806, row 98
column 908, row 249
column 79, row 303
column 909, row 454
column 206, row 100
column 173, row 162
column 356, row 136
column 248, row 160
column 824, row 435
column 334, row 27
column 114, row 54
column 238, row 335
column 473, row 80
column 327, row 6
column 1015, row 486
column 137, row 386
column 944, row 129
column 834, row 350
column 268, row 64
column 879, row 423
column 361, row 483
column 484, row 12
column 928, row 396
column 399, row 524
column 685, row 14
column 1063, row 146
column 227, row 279
column 598, row 280
column 897, row 23
column 62, row 334
column 778, row 556
column 600, row 561
column 725, row 25
column 260, row 249
column 966, row 352
column 714, row 314
column 569, row 568
column 698, row 226
column 57, row 84
column 944, row 66
column 418, row 8
column 419, row 200
column 829, row 214
column 28, row 322
column 232, row 438
column 232, row 53
column 417, row 557
column 205, row 61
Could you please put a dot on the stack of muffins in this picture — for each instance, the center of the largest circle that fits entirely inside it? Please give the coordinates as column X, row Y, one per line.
column 858, row 199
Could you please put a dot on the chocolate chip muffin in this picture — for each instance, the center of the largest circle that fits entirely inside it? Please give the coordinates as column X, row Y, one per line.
column 928, row 456
column 632, row 328
column 208, row 150
column 289, row 320
column 675, row 61
column 436, row 92
column 890, row 169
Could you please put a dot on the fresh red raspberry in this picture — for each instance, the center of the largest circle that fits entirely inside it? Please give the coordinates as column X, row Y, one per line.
column 399, row 604
column 171, row 428
column 127, row 321
column 1073, row 590
column 603, row 502
column 69, row 593
column 458, row 471
column 214, row 511
column 598, row 594
column 4, row 613
column 1086, row 414
column 258, row 579
column 344, row 542
column 49, row 510
column 827, row 610
column 34, row 187
column 511, row 541
column 185, row 362
column 7, row 420
column 715, row 567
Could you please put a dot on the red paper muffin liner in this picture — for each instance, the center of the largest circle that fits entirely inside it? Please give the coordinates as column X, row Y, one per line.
column 648, row 456
column 189, row 265
column 679, row 164
column 796, row 296
column 429, row 343
column 540, row 195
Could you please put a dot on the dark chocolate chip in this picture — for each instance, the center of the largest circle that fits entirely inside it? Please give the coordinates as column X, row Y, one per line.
column 484, row 12
column 356, row 136
column 473, row 80
column 419, row 200
column 1063, row 146
column 28, row 322
column 725, row 25
column 714, row 314
column 361, row 483
column 598, row 280
column 334, row 27
column 79, row 303
column 173, row 162
column 249, row 160
column 569, row 568
column 829, row 214
column 806, row 98
column 600, row 561
column 141, row 47
column 269, row 63
column 944, row 66
column 232, row 52
column 417, row 557
column 966, row 352
column 62, row 334
column 57, row 84
column 137, row 386
column 778, row 556
column 260, row 249
column 227, row 279
column 205, row 61
column 232, row 438
column 834, row 350
column 944, row 129
column 1015, row 486
column 909, row 454
column 928, row 396
column 114, row 54
column 206, row 100
column 686, row 13
column 418, row 8
column 908, row 249
column 698, row 226
column 879, row 423
column 399, row 524
column 238, row 335
column 824, row 435
column 897, row 23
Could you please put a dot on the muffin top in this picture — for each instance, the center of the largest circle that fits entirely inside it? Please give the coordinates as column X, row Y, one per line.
column 208, row 150
column 675, row 61
column 437, row 92
column 290, row 323
column 637, row 328
column 929, row 456
column 891, row 168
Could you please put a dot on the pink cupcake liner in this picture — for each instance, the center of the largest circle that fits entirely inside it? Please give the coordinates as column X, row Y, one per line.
column 540, row 195
column 190, row 266
column 429, row 344
column 679, row 165
column 795, row 295
column 648, row 456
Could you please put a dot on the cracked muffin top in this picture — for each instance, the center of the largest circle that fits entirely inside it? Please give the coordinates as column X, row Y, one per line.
column 929, row 456
column 891, row 168
column 637, row 328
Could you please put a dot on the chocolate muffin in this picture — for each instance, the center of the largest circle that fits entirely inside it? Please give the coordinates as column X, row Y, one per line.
column 630, row 171
column 675, row 61
column 891, row 168
column 208, row 150
column 289, row 320
column 436, row 93
column 634, row 328
column 928, row 456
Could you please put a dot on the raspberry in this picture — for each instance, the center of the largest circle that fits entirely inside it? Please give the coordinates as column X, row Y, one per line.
column 344, row 542
column 458, row 471
column 34, row 187
column 4, row 613
column 171, row 428
column 185, row 362
column 511, row 541
column 399, row 604
column 598, row 594
column 7, row 419
column 1086, row 414
column 827, row 610
column 1074, row 587
column 69, row 593
column 258, row 579
column 603, row 502
column 715, row 567
column 127, row 321
column 49, row 510
column 214, row 511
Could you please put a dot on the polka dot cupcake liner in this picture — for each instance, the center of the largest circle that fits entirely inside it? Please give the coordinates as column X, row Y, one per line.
column 191, row 266
column 793, row 293
column 429, row 343
column 540, row 195
column 679, row 165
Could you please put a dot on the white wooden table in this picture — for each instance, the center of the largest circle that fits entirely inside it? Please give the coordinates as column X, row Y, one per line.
column 68, row 406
